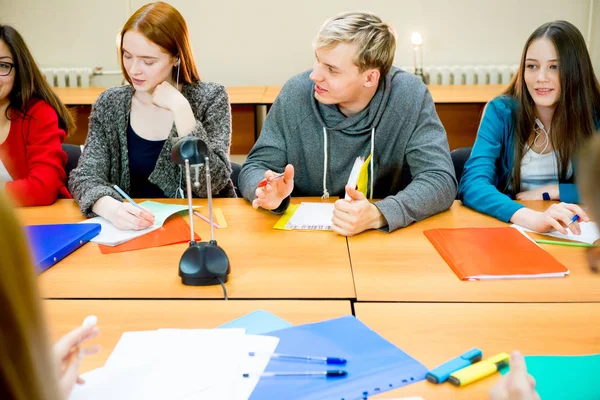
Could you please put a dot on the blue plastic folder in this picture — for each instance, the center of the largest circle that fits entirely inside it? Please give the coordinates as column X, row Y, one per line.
column 258, row 322
column 565, row 377
column 374, row 365
column 51, row 243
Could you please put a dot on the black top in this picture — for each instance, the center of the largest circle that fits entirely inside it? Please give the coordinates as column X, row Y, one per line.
column 143, row 155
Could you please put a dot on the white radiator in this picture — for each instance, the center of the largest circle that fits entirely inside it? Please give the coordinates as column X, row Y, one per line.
column 68, row 77
column 467, row 74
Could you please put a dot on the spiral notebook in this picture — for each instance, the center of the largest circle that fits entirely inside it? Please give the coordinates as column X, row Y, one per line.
column 493, row 253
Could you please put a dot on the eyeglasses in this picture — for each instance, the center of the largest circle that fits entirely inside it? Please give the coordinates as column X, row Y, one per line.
column 6, row 68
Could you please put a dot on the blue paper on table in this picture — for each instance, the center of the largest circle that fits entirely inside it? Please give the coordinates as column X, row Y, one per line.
column 51, row 243
column 374, row 364
column 257, row 322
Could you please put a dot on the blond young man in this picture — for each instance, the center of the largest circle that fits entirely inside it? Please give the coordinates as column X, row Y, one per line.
column 354, row 103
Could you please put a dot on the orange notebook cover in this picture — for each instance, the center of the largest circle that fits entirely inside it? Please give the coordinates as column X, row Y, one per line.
column 493, row 253
column 175, row 230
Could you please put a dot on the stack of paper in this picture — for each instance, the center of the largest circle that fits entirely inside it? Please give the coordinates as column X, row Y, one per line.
column 179, row 364
column 112, row 236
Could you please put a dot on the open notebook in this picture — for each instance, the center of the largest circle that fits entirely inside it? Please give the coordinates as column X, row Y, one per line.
column 112, row 236
column 493, row 253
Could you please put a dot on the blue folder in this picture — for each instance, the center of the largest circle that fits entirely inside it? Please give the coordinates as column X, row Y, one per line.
column 51, row 243
column 374, row 365
column 258, row 322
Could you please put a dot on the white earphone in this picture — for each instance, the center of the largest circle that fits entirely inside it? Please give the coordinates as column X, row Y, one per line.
column 546, row 140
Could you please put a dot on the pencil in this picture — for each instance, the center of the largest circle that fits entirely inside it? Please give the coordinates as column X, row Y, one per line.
column 573, row 244
column 129, row 199
column 202, row 217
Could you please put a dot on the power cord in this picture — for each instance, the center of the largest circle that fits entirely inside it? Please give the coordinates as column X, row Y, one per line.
column 224, row 289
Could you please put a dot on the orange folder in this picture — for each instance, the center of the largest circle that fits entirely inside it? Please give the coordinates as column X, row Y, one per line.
column 493, row 253
column 175, row 230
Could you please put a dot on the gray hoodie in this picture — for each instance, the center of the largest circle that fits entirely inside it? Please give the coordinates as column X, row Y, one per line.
column 399, row 126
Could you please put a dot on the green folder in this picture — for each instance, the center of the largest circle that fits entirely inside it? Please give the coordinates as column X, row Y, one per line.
column 565, row 377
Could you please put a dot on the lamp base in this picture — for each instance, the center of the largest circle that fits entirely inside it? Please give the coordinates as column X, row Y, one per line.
column 203, row 264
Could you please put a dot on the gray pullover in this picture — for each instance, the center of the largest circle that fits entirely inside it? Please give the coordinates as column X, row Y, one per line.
column 400, row 126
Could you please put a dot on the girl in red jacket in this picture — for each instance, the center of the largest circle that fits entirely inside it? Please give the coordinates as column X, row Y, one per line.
column 33, row 125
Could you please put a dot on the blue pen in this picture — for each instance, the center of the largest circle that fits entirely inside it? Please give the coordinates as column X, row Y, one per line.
column 574, row 219
column 326, row 360
column 441, row 373
column 304, row 374
column 129, row 199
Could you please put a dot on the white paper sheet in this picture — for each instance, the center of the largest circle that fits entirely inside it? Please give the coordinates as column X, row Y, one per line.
column 179, row 364
column 589, row 233
column 312, row 216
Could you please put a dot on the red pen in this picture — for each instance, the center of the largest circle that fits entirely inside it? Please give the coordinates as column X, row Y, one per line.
column 265, row 181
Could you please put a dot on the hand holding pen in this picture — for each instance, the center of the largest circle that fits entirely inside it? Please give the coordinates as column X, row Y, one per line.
column 557, row 217
column 124, row 215
column 272, row 190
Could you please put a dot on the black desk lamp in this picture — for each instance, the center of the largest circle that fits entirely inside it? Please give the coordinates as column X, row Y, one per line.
column 203, row 263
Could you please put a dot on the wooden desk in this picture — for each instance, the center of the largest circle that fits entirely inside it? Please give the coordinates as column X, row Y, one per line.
column 118, row 316
column 247, row 113
column 442, row 94
column 436, row 333
column 404, row 266
column 265, row 263
column 81, row 96
column 459, row 107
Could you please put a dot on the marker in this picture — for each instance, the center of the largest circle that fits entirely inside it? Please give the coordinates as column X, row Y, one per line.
column 573, row 244
column 479, row 370
column 88, row 321
column 325, row 374
column 441, row 373
column 264, row 182
column 326, row 360
column 129, row 199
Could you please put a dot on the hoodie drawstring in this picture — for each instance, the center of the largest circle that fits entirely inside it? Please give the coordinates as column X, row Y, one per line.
column 325, row 192
column 372, row 177
column 372, row 162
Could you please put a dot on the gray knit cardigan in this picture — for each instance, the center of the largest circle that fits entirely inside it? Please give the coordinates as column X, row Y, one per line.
column 104, row 161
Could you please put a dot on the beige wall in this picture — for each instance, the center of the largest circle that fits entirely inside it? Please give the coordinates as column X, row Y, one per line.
column 264, row 42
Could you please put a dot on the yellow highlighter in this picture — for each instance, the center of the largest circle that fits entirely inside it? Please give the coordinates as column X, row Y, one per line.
column 479, row 370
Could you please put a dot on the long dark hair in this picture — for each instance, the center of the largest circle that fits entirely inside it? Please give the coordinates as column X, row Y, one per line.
column 578, row 107
column 29, row 82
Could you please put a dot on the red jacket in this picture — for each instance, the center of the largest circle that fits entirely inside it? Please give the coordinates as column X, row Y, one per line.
column 34, row 158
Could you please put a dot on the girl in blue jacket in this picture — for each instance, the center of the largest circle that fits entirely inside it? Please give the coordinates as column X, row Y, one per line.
column 529, row 137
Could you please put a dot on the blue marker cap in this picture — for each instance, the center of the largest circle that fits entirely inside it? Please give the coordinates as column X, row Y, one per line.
column 441, row 373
